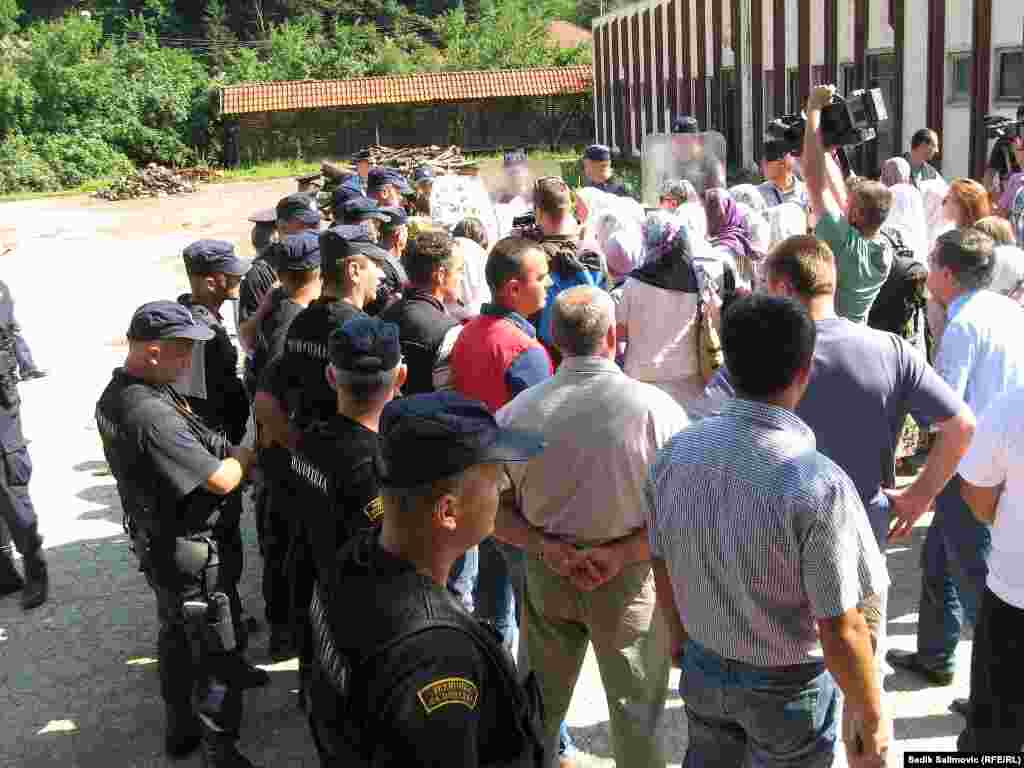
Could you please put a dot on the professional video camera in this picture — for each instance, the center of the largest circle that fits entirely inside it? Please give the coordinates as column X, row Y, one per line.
column 845, row 122
column 1000, row 127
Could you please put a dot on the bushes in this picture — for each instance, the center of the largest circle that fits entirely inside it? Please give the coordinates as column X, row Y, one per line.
column 75, row 158
column 22, row 170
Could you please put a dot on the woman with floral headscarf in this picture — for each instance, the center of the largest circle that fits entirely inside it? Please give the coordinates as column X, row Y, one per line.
column 657, row 315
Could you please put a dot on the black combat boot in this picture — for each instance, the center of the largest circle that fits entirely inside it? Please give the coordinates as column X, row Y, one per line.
column 37, row 581
column 219, row 751
column 10, row 579
column 183, row 730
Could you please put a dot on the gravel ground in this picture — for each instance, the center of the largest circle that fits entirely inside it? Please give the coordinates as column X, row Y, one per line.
column 78, row 683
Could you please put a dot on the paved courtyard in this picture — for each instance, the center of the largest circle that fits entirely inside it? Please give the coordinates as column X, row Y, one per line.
column 78, row 678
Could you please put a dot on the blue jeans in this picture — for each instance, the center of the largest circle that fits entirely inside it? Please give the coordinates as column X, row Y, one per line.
column 739, row 714
column 954, row 565
column 463, row 576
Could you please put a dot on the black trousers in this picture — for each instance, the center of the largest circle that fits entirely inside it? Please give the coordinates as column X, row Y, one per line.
column 277, row 535
column 996, row 719
column 195, row 671
column 16, row 508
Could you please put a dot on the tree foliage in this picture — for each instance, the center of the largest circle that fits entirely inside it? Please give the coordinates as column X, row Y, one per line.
column 82, row 95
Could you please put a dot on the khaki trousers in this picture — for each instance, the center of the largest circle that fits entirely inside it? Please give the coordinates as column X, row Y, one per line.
column 631, row 644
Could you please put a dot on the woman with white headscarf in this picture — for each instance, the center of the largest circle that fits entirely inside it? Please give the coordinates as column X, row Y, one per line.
column 474, row 292
column 907, row 217
column 933, row 193
column 895, row 170
column 785, row 221
column 748, row 194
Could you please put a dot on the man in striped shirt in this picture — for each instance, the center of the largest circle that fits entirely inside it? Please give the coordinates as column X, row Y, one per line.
column 762, row 552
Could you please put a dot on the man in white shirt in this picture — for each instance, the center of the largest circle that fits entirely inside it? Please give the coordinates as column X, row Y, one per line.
column 992, row 476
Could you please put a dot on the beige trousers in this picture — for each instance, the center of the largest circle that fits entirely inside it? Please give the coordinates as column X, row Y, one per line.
column 631, row 644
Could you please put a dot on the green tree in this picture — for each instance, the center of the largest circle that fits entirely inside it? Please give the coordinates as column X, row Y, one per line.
column 10, row 12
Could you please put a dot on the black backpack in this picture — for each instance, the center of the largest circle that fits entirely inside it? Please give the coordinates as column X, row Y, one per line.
column 902, row 298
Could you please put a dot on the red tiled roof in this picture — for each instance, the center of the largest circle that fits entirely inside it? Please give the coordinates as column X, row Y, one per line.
column 429, row 87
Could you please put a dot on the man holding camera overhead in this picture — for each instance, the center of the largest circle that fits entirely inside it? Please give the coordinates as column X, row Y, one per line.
column 863, row 258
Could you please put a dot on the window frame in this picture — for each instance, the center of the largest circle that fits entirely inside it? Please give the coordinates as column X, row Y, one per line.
column 1000, row 55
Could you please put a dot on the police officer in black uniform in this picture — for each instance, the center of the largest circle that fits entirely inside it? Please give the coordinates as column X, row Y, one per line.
column 394, row 237
column 335, row 461
column 294, row 391
column 215, row 392
column 403, row 675
column 17, row 515
column 173, row 475
column 597, row 171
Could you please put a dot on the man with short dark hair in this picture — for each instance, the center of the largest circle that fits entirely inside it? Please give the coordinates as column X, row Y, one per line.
column 863, row 256
column 981, row 357
column 762, row 553
column 427, row 331
column 361, row 159
column 497, row 355
column 924, row 146
column 387, row 186
column 552, row 204
column 588, row 571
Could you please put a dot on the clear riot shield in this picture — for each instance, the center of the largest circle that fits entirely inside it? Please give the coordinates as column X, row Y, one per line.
column 696, row 157
column 511, row 189
column 454, row 198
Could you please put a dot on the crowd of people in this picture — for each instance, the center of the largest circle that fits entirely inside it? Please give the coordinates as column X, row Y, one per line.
column 473, row 449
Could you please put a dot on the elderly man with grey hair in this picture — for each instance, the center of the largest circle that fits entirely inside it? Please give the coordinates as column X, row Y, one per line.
column 578, row 511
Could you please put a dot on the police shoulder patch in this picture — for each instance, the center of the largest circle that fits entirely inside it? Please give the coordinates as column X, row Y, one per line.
column 448, row 690
column 374, row 509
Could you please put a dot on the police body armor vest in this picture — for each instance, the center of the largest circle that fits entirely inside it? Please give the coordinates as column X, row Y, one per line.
column 340, row 724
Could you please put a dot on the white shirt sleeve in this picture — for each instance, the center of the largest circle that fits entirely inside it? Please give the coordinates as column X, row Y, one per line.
column 985, row 464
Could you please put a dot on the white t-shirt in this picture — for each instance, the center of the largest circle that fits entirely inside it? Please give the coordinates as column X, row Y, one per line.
column 662, row 329
column 997, row 456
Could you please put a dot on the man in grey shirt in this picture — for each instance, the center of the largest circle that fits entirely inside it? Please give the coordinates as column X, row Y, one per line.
column 762, row 554
column 579, row 513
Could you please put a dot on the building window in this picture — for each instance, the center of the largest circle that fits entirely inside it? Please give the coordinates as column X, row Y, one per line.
column 1011, row 75
column 960, row 77
column 848, row 76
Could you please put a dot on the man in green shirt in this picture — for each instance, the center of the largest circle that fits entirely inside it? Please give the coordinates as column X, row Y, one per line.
column 863, row 256
column 924, row 146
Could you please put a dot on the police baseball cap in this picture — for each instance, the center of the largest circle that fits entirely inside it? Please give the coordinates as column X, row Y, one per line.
column 396, row 217
column 432, row 436
column 297, row 253
column 160, row 320
column 597, row 152
column 205, row 257
column 381, row 177
column 361, row 155
column 264, row 216
column 422, row 173
column 360, row 209
column 776, row 150
column 685, row 124
column 365, row 345
column 346, row 240
column 298, row 206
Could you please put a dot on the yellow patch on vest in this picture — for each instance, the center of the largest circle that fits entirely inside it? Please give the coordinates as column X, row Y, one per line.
column 374, row 509
column 448, row 690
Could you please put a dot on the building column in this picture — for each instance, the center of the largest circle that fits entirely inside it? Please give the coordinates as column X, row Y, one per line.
column 779, row 55
column 830, row 22
column 860, row 42
column 936, row 77
column 757, row 78
column 637, row 85
column 981, row 85
column 685, row 30
column 647, row 60
column 600, row 91
column 717, row 83
column 897, row 10
column 804, row 52
column 672, row 86
column 744, row 114
column 700, row 101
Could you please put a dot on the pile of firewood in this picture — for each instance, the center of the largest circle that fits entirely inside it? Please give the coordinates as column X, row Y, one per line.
column 442, row 159
column 152, row 181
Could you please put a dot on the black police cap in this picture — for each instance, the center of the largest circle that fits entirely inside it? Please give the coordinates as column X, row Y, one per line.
column 365, row 345
column 162, row 320
column 205, row 257
column 432, row 436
